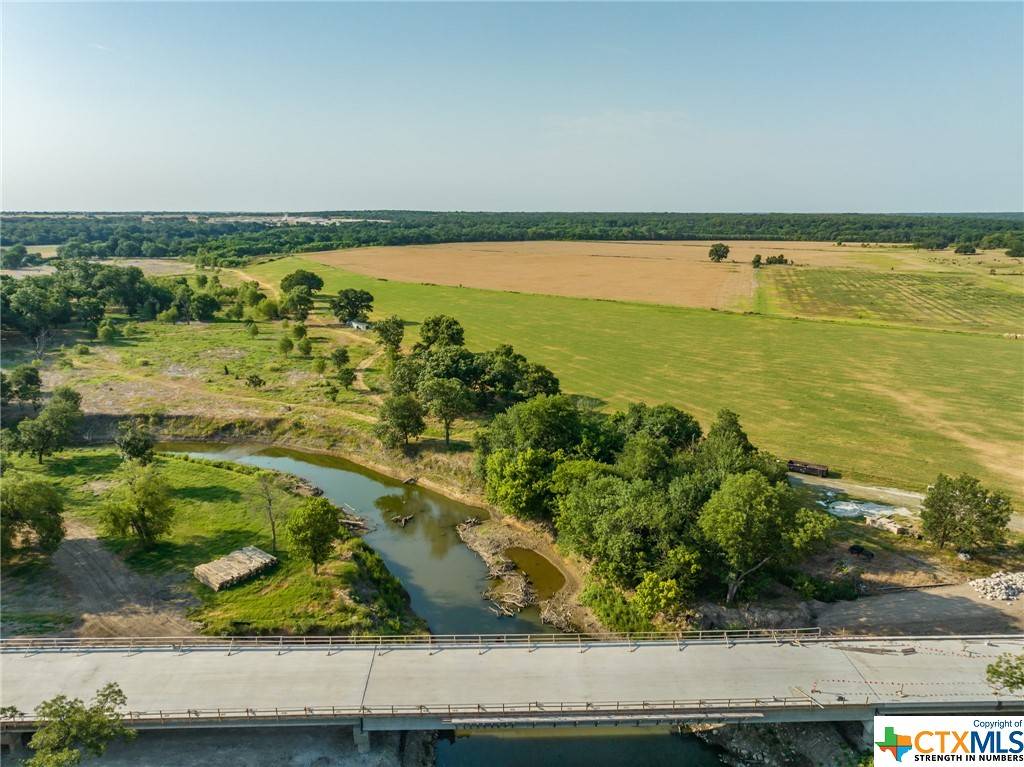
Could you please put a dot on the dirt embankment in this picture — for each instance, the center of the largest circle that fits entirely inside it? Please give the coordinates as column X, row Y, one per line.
column 492, row 537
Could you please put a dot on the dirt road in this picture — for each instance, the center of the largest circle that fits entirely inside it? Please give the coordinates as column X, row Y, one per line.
column 111, row 599
column 943, row 610
column 890, row 495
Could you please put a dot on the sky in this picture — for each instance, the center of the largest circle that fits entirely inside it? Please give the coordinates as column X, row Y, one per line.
column 816, row 107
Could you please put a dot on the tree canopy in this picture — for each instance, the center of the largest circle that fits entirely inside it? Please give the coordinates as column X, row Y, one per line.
column 962, row 512
column 141, row 506
column 313, row 529
column 70, row 727
column 302, row 278
column 351, row 304
column 32, row 513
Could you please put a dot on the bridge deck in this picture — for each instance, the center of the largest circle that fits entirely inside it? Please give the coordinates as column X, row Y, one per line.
column 490, row 682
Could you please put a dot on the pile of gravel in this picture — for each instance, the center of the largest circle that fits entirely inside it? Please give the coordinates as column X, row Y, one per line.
column 1006, row 586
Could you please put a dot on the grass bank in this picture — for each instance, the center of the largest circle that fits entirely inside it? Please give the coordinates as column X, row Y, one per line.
column 216, row 511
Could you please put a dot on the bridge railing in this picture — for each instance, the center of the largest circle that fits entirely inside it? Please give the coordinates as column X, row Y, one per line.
column 398, row 640
column 580, row 709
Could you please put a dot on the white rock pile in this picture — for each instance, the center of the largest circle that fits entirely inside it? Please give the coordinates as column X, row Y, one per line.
column 1006, row 586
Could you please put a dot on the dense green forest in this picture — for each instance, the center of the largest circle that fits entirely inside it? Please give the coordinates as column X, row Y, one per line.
column 213, row 240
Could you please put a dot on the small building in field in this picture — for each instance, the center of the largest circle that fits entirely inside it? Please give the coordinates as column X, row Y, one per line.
column 358, row 324
column 234, row 568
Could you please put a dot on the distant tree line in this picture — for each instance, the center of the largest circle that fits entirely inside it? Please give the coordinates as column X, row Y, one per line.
column 213, row 242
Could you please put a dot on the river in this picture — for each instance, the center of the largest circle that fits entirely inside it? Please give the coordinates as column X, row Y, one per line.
column 445, row 581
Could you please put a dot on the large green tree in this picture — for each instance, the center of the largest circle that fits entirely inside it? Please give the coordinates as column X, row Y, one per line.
column 752, row 523
column 30, row 509
column 446, row 399
column 390, row 332
column 441, row 330
column 313, row 528
column 298, row 303
column 719, row 252
column 400, row 418
column 962, row 512
column 679, row 429
column 134, row 441
column 351, row 304
column 302, row 278
column 141, row 506
column 25, row 385
column 520, row 483
column 51, row 430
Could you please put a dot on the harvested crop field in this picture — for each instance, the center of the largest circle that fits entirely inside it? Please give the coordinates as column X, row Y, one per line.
column 675, row 273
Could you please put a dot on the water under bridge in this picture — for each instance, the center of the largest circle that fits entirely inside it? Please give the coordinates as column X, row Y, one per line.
column 458, row 682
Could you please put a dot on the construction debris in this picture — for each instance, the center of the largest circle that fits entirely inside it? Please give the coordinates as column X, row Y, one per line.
column 1004, row 586
column 884, row 523
column 234, row 568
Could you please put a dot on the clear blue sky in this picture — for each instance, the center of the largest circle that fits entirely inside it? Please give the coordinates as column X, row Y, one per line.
column 686, row 107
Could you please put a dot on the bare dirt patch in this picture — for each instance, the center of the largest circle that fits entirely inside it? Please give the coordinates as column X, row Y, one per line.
column 944, row 610
column 110, row 598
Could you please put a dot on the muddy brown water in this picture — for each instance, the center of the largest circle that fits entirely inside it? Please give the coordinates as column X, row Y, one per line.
column 446, row 581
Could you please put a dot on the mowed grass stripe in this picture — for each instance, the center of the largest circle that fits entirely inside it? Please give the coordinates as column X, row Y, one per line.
column 943, row 300
column 883, row 404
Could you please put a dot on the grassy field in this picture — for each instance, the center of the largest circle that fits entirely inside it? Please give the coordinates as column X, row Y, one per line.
column 953, row 301
column 888, row 405
column 217, row 511
column 877, row 282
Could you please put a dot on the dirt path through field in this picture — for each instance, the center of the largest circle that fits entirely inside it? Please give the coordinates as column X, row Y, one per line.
column 359, row 384
column 114, row 600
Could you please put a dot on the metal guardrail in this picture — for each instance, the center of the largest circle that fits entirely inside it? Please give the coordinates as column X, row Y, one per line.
column 510, row 710
column 439, row 641
column 398, row 640
column 583, row 710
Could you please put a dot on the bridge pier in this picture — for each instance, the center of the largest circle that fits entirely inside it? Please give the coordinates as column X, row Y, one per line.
column 361, row 737
column 12, row 745
column 867, row 733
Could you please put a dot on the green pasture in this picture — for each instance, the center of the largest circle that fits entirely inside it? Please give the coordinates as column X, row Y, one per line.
column 219, row 356
column 217, row 510
column 889, row 405
column 938, row 300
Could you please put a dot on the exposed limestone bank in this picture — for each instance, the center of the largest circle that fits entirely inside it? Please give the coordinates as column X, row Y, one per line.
column 715, row 616
column 805, row 744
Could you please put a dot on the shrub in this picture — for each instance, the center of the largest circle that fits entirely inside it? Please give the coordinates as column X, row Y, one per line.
column 170, row 315
column 612, row 608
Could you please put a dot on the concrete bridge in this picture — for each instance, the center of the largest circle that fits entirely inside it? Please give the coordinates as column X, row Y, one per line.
column 458, row 682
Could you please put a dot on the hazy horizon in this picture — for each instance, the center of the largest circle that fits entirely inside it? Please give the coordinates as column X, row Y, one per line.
column 720, row 107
